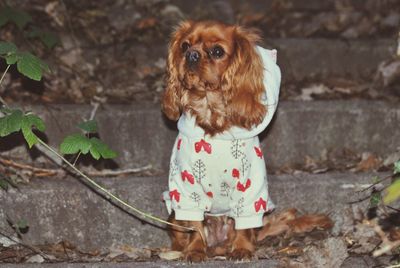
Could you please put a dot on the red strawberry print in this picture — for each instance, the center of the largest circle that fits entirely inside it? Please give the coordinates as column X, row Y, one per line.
column 179, row 144
column 260, row 203
column 243, row 187
column 235, row 173
column 258, row 152
column 210, row 194
column 202, row 144
column 187, row 176
column 175, row 195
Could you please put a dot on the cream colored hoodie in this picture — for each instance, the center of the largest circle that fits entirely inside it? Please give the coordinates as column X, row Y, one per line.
column 225, row 174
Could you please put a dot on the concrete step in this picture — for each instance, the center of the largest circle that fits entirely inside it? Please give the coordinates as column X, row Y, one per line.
column 64, row 209
column 158, row 264
column 142, row 136
column 319, row 58
column 313, row 59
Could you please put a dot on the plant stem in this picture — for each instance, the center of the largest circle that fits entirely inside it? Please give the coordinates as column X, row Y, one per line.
column 108, row 193
column 1, row 81
column 76, row 159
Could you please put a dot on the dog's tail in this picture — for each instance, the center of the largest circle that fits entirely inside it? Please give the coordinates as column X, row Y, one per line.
column 289, row 222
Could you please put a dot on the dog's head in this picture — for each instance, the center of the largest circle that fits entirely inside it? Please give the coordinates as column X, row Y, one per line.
column 216, row 65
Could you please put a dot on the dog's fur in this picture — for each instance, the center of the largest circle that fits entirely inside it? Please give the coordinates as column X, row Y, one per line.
column 220, row 90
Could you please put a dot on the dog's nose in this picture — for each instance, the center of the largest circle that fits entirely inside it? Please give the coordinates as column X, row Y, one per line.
column 192, row 56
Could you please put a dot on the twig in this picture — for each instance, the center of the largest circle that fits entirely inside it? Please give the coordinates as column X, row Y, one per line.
column 92, row 115
column 44, row 172
column 69, row 24
column 110, row 195
column 375, row 183
column 105, row 173
column 387, row 245
column 35, row 170
column 34, row 249
column 393, row 266
column 59, row 159
column 1, row 81
column 94, row 110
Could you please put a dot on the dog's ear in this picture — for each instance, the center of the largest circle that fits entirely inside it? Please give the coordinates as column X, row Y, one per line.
column 242, row 82
column 171, row 100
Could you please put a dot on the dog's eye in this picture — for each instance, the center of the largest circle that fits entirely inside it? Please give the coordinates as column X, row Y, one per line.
column 217, row 52
column 185, row 46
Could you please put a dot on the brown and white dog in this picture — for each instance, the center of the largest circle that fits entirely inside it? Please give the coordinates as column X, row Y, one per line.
column 223, row 89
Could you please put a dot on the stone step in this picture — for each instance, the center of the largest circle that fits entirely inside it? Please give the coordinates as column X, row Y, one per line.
column 318, row 58
column 64, row 209
column 142, row 136
column 314, row 59
column 157, row 264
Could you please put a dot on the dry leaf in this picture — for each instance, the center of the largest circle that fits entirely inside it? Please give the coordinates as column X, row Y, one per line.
column 170, row 255
column 128, row 251
column 308, row 92
column 368, row 162
column 291, row 251
column 35, row 259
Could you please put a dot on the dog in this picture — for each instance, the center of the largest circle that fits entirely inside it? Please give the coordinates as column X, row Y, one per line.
column 223, row 90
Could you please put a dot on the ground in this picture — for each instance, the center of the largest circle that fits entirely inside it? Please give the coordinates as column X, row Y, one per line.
column 114, row 52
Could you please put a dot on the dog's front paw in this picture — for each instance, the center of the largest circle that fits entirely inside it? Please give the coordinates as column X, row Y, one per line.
column 195, row 256
column 241, row 254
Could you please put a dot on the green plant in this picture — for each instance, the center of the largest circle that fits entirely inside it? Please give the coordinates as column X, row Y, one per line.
column 16, row 120
column 393, row 191
column 83, row 143
column 23, row 20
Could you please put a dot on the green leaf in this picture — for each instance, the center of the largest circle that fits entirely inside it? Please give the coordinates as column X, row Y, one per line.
column 3, row 19
column 11, row 122
column 375, row 199
column 89, row 126
column 16, row 120
column 6, row 48
column 29, row 136
column 31, row 66
column 393, row 192
column 48, row 39
column 22, row 224
column 396, row 169
column 35, row 121
column 19, row 17
column 75, row 143
column 3, row 127
column 12, row 58
column 4, row 184
column 31, row 121
column 99, row 148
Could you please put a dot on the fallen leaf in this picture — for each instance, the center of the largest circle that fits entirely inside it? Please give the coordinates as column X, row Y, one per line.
column 308, row 92
column 391, row 159
column 394, row 235
column 389, row 72
column 291, row 251
column 146, row 23
column 128, row 251
column 170, row 255
column 368, row 162
column 35, row 259
column 6, row 242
